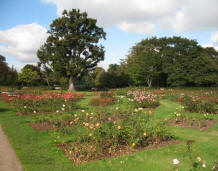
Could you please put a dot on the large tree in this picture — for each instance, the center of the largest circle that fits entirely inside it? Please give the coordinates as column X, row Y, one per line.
column 116, row 76
column 144, row 62
column 72, row 47
column 8, row 74
column 4, row 69
column 173, row 61
column 28, row 77
column 35, row 68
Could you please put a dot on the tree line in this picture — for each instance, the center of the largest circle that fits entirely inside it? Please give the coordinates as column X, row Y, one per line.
column 8, row 75
column 72, row 51
column 172, row 62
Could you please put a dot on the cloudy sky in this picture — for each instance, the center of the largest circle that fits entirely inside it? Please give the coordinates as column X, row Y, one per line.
column 24, row 24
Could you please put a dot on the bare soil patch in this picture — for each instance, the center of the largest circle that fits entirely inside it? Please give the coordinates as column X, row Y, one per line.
column 193, row 124
column 78, row 154
column 44, row 126
column 19, row 114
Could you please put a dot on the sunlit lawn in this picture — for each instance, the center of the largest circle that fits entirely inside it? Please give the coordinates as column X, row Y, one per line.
column 38, row 150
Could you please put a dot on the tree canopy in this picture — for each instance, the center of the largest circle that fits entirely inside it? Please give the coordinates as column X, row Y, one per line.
column 28, row 77
column 72, row 47
column 173, row 61
column 8, row 74
column 4, row 69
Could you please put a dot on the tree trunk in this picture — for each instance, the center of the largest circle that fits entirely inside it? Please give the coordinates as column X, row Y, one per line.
column 47, row 81
column 149, row 81
column 71, row 85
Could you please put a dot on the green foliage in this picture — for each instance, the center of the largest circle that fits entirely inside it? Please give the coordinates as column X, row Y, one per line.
column 63, row 82
column 72, row 48
column 12, row 77
column 173, row 62
column 200, row 104
column 143, row 99
column 46, row 102
column 92, row 133
column 28, row 77
column 8, row 76
column 35, row 68
column 101, row 101
column 100, row 77
column 144, row 62
column 106, row 94
column 114, row 77
column 4, row 69
column 105, row 98
column 109, row 136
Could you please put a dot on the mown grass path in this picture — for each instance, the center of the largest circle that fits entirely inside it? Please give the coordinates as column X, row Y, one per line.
column 37, row 150
column 8, row 158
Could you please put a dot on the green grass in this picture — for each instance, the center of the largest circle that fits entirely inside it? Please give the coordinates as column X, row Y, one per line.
column 37, row 150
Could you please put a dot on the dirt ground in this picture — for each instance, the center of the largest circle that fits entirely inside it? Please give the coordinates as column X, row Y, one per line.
column 8, row 158
column 193, row 124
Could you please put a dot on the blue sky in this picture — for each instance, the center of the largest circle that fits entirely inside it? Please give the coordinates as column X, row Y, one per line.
column 24, row 24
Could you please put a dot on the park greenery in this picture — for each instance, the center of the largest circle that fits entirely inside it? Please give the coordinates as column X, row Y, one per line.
column 172, row 62
column 72, row 51
column 121, row 129
column 163, row 62
column 8, row 74
column 133, row 116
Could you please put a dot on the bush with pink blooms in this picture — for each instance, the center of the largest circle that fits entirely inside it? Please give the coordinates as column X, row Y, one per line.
column 144, row 99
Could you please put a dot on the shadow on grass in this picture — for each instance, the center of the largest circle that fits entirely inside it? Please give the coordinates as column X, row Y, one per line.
column 3, row 110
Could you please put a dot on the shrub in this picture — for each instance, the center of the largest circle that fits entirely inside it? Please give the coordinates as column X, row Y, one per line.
column 143, row 99
column 47, row 102
column 106, row 137
column 106, row 94
column 199, row 104
column 102, row 101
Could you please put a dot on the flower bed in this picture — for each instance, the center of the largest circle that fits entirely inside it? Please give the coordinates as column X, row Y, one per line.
column 105, row 99
column 198, row 104
column 95, row 138
column 144, row 99
column 47, row 102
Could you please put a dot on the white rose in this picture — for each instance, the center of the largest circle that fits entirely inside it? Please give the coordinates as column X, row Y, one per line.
column 175, row 161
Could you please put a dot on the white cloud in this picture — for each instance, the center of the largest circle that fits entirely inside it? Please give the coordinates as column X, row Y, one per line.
column 196, row 15
column 104, row 64
column 131, row 15
column 214, row 41
column 141, row 28
column 23, row 41
column 122, row 13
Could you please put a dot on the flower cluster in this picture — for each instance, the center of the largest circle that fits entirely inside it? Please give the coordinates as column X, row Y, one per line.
column 105, row 99
column 199, row 104
column 104, row 132
column 64, row 96
column 143, row 99
column 197, row 165
column 46, row 102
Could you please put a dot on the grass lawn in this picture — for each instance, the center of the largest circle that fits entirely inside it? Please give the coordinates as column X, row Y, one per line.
column 38, row 151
